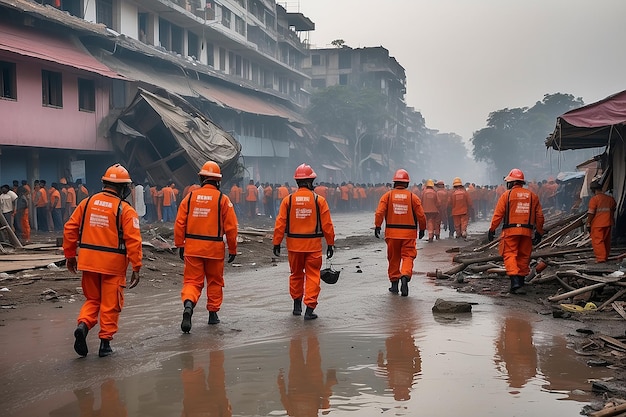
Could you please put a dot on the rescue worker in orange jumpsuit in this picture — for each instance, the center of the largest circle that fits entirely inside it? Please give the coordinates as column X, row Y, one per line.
column 600, row 218
column 520, row 212
column 204, row 217
column 443, row 195
column 431, row 205
column 106, row 229
column 251, row 198
column 204, row 395
column 461, row 205
column 305, row 218
column 402, row 212
column 235, row 197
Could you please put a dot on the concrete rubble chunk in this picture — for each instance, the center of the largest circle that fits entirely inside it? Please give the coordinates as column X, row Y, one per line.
column 443, row 306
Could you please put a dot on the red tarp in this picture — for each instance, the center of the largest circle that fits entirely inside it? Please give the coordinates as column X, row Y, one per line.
column 591, row 126
column 50, row 47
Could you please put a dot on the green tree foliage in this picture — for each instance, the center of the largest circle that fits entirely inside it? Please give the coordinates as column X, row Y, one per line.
column 514, row 138
column 355, row 114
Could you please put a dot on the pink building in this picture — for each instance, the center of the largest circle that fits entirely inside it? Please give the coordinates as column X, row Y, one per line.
column 53, row 98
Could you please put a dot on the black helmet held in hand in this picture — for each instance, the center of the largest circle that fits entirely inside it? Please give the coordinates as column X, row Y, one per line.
column 329, row 275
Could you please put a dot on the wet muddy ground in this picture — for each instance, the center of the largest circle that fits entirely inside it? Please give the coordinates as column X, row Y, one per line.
column 369, row 353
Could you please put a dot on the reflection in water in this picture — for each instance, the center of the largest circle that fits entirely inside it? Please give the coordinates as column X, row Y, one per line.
column 205, row 396
column 110, row 403
column 306, row 392
column 403, row 363
column 515, row 350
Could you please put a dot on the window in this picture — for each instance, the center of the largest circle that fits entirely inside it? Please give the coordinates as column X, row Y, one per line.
column 86, row 95
column 52, row 88
column 343, row 79
column 177, row 39
column 316, row 59
column 318, row 83
column 222, row 59
column 165, row 39
column 117, row 98
column 240, row 26
column 226, row 17
column 8, row 87
column 104, row 12
column 345, row 60
column 192, row 45
column 210, row 59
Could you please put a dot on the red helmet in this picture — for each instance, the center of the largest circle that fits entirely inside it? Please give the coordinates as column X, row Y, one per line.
column 210, row 169
column 401, row 176
column 117, row 174
column 304, row 172
column 515, row 175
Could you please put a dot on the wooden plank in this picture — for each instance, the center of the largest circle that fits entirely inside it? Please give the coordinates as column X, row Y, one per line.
column 619, row 309
column 609, row 411
column 576, row 292
column 30, row 257
column 612, row 341
column 22, row 265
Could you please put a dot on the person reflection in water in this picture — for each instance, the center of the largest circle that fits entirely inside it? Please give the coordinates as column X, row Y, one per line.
column 306, row 392
column 516, row 352
column 202, row 396
column 111, row 405
column 403, row 363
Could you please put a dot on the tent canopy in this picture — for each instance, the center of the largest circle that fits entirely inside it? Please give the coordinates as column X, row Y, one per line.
column 590, row 126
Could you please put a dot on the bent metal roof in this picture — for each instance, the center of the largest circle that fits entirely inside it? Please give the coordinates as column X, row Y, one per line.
column 52, row 47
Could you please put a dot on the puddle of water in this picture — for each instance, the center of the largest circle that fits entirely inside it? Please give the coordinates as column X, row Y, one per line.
column 370, row 353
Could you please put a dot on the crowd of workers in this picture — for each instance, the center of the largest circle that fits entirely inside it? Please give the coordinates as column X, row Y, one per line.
column 102, row 230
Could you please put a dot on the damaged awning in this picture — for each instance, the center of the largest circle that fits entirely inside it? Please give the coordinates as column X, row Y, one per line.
column 244, row 102
column 591, row 126
column 52, row 47
column 143, row 72
column 177, row 139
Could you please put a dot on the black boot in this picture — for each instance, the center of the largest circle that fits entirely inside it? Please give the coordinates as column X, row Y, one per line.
column 404, row 285
column 105, row 348
column 185, row 325
column 297, row 306
column 80, row 344
column 309, row 314
column 394, row 287
column 516, row 284
column 213, row 319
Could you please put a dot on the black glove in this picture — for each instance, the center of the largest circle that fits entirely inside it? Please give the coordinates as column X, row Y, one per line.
column 377, row 232
column 231, row 258
column 536, row 238
column 330, row 251
column 276, row 250
column 181, row 253
column 421, row 234
column 491, row 235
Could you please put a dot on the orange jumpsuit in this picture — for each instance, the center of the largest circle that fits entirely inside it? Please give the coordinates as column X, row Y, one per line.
column 204, row 217
column 305, row 218
column 305, row 393
column 431, row 205
column 461, row 205
column 520, row 212
column 444, row 196
column 601, row 214
column 110, row 239
column 251, row 197
column 402, row 212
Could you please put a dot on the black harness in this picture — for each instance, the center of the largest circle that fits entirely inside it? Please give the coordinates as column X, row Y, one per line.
column 218, row 237
column 507, row 225
column 401, row 226
column 318, row 223
column 121, row 244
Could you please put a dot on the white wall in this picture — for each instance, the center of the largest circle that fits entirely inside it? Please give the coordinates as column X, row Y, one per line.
column 129, row 25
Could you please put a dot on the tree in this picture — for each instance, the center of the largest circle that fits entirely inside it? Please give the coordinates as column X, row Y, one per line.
column 339, row 43
column 514, row 138
column 356, row 114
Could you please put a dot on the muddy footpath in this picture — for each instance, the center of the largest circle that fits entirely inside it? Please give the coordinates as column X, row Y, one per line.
column 369, row 353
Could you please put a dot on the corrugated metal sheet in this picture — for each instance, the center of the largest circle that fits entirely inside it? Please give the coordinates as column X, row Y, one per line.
column 51, row 47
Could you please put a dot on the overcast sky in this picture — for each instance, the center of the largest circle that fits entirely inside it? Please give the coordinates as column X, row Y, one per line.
column 467, row 58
